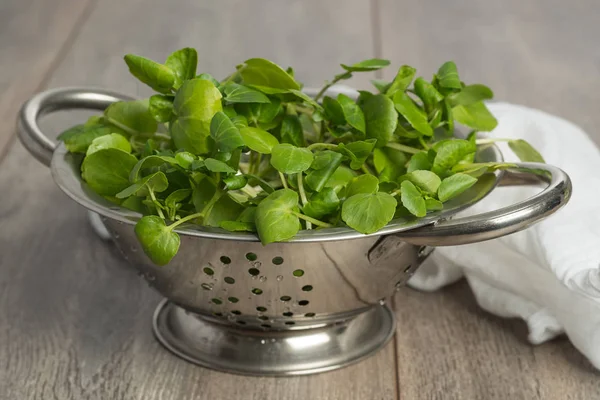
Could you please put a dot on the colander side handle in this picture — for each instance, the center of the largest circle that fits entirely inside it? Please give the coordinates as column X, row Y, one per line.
column 507, row 220
column 29, row 132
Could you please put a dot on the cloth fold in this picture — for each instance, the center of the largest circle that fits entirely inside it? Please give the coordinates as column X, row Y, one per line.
column 549, row 274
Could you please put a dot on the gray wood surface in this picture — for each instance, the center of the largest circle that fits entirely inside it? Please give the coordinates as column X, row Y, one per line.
column 33, row 36
column 75, row 319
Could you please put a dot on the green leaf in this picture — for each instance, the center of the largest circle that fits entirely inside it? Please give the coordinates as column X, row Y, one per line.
column 177, row 196
column 340, row 178
column 208, row 77
column 447, row 76
column 258, row 71
column 357, row 151
column 412, row 113
column 352, row 112
column 307, row 99
column 131, row 116
column 333, row 111
column 157, row 182
column 225, row 209
column 236, row 93
column 322, row 203
column 476, row 116
column 112, row 141
column 369, row 212
column 159, row 77
column 218, row 166
column 450, row 152
column 291, row 131
column 470, row 94
column 196, row 102
column 412, row 199
column 183, row 63
column 362, row 184
column 275, row 218
column 323, row 167
column 237, row 226
column 427, row 93
column 372, row 64
column 135, row 204
column 260, row 112
column 258, row 140
column 107, row 171
column 427, row 181
column 239, row 121
column 202, row 193
column 290, row 159
column 235, row 182
column 380, row 118
column 78, row 138
column 402, row 80
column 389, row 158
column 150, row 164
column 224, row 132
column 381, row 85
column 433, row 204
column 161, row 108
column 159, row 242
column 448, row 117
column 185, row 159
column 455, row 185
column 525, row 151
column 254, row 180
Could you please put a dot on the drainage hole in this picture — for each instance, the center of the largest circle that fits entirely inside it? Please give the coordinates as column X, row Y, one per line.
column 251, row 256
column 298, row 273
column 233, row 299
column 309, row 314
column 288, row 314
column 285, row 298
column 229, row 280
column 225, row 260
column 257, row 291
column 261, row 309
column 254, row 271
column 303, row 302
column 307, row 288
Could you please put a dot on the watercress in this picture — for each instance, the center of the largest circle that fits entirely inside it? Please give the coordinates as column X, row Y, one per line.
column 253, row 153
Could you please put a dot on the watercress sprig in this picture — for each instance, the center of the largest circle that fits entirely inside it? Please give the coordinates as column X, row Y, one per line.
column 253, row 153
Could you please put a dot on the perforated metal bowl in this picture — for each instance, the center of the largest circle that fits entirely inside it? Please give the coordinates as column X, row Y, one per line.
column 312, row 304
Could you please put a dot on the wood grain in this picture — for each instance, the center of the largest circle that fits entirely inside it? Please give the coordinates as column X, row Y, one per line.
column 540, row 53
column 74, row 318
column 32, row 35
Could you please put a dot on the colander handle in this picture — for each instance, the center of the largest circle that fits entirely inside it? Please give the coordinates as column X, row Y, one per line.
column 507, row 220
column 30, row 134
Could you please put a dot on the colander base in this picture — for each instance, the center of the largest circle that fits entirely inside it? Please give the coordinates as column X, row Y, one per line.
column 234, row 349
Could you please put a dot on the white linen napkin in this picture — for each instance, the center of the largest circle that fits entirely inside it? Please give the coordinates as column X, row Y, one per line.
column 549, row 274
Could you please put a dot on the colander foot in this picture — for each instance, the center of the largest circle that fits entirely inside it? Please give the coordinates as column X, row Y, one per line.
column 231, row 348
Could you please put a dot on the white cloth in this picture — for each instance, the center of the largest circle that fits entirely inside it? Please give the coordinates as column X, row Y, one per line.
column 549, row 274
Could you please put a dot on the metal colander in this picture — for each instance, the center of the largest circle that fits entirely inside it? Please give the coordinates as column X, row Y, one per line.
column 309, row 305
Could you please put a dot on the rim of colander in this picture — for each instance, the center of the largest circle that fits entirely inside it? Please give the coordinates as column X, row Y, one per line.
column 65, row 171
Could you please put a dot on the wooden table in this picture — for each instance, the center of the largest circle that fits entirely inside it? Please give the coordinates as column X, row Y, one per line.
column 75, row 320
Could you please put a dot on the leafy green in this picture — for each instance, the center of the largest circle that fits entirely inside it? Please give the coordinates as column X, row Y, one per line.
column 112, row 141
column 450, row 152
column 402, row 80
column 107, row 171
column 224, row 132
column 525, row 151
column 196, row 102
column 372, row 64
column 476, row 116
column 183, row 63
column 427, row 93
column 470, row 94
column 352, row 112
column 413, row 114
column 159, row 242
column 362, row 184
column 161, row 108
column 218, row 166
column 334, row 111
column 412, row 199
column 324, row 165
column 455, row 185
column 291, row 131
column 159, row 77
column 358, row 151
column 448, row 76
column 290, row 159
column 322, row 203
column 368, row 212
column 132, row 116
column 236, row 93
column 276, row 218
column 258, row 140
column 380, row 119
column 78, row 138
column 157, row 182
column 427, row 181
column 261, row 72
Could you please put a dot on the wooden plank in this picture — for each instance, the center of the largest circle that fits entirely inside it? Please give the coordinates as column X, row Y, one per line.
column 540, row 53
column 33, row 35
column 448, row 348
column 74, row 318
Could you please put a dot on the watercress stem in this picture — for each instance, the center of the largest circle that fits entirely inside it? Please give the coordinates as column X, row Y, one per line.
column 283, row 181
column 303, row 197
column 156, row 203
column 401, row 147
column 312, row 220
column 491, row 141
column 330, row 84
column 184, row 219
column 231, row 77
column 365, row 168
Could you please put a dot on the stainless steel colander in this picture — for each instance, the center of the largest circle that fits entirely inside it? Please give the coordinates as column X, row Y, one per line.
column 313, row 304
